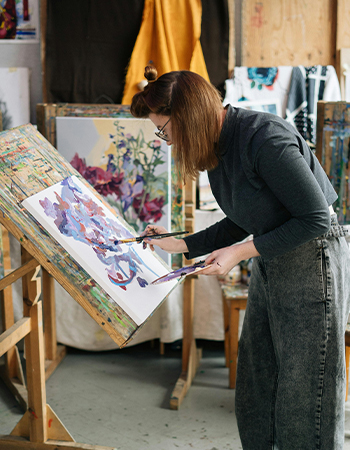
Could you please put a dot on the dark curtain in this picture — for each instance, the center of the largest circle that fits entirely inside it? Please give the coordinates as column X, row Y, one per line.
column 89, row 44
column 215, row 40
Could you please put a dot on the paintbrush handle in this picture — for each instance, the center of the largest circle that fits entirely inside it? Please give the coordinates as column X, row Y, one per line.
column 151, row 236
column 164, row 235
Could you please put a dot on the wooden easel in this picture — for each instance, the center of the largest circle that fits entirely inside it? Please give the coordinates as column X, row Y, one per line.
column 39, row 427
column 46, row 119
column 191, row 356
column 29, row 164
column 12, row 373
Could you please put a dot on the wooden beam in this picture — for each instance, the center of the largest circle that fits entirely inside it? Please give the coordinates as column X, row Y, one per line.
column 18, row 443
column 14, row 334
column 46, row 121
column 190, row 354
column 49, row 315
column 185, row 380
column 342, row 32
column 34, row 344
column 51, row 364
column 13, row 366
column 43, row 31
column 18, row 273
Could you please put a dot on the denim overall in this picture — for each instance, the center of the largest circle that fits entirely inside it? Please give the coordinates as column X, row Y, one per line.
column 290, row 390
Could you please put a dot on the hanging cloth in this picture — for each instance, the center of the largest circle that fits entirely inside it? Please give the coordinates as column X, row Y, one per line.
column 168, row 40
column 309, row 85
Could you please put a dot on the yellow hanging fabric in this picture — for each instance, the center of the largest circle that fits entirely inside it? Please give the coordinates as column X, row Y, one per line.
column 168, row 40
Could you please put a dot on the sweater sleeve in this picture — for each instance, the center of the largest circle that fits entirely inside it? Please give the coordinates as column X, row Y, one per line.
column 286, row 172
column 221, row 234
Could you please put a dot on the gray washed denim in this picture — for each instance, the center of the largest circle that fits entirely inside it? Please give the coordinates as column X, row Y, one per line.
column 290, row 390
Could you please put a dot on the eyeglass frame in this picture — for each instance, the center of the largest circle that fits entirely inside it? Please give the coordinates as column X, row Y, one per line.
column 161, row 134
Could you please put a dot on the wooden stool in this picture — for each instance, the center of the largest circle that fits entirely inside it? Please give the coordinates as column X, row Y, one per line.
column 234, row 299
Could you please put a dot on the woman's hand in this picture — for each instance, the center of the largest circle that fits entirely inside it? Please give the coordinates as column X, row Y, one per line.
column 224, row 259
column 169, row 244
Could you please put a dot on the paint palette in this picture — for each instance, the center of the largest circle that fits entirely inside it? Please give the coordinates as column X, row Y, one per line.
column 182, row 272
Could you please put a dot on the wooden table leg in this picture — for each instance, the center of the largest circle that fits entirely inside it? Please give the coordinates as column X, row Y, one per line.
column 226, row 311
column 347, row 361
column 233, row 345
column 234, row 299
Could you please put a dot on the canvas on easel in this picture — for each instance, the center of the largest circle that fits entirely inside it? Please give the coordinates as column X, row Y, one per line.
column 33, row 179
column 70, row 212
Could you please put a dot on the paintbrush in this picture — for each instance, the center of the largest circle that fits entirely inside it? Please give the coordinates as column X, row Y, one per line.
column 150, row 236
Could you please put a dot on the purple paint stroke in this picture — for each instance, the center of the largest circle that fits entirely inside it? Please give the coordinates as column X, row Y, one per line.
column 76, row 215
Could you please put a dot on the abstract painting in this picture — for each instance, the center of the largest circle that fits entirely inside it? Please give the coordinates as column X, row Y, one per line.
column 125, row 162
column 90, row 232
column 19, row 19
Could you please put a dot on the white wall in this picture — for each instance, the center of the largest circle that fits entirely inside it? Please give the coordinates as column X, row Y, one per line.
column 25, row 54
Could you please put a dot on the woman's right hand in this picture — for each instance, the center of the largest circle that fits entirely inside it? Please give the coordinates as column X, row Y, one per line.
column 169, row 244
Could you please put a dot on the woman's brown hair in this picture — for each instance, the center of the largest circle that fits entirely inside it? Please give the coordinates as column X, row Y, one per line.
column 195, row 108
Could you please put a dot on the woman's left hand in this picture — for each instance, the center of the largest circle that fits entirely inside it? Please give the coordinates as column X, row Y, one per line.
column 224, row 259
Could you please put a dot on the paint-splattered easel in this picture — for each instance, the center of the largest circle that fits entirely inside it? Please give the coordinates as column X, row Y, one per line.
column 29, row 164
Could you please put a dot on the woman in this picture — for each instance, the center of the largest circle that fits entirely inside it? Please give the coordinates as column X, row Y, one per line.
column 290, row 386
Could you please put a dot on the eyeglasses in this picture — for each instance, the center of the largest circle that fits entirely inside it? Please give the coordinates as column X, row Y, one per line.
column 160, row 133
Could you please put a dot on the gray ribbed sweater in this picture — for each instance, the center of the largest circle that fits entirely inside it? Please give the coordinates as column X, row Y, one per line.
column 268, row 183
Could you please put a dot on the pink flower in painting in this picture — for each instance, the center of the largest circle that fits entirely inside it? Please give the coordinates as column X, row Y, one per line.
column 148, row 210
column 8, row 20
column 104, row 181
column 156, row 144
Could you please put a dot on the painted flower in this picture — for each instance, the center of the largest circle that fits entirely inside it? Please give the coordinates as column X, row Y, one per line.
column 127, row 178
column 262, row 76
column 104, row 181
column 148, row 210
column 129, row 191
